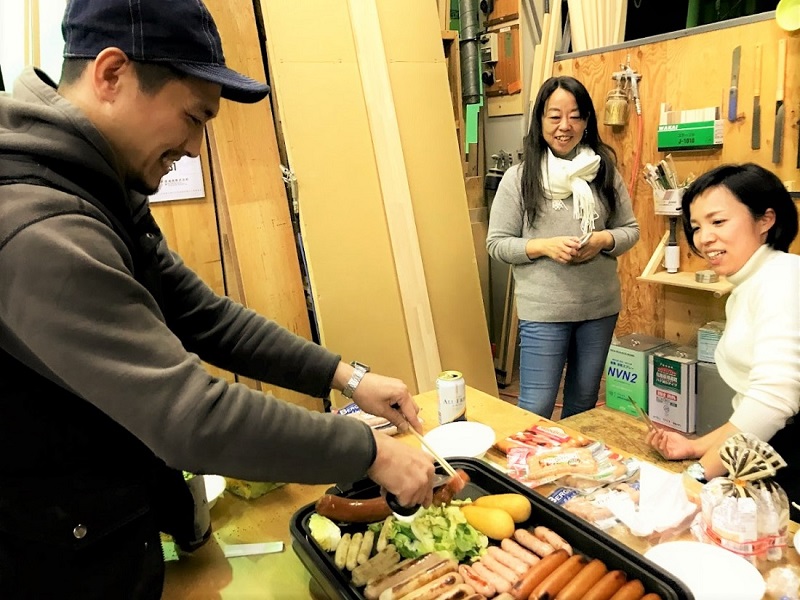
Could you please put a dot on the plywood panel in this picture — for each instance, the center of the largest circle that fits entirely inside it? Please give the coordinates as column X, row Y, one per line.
column 328, row 143
column 689, row 72
column 258, row 210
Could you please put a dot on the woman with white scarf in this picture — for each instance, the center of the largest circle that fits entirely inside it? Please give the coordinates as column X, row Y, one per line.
column 560, row 218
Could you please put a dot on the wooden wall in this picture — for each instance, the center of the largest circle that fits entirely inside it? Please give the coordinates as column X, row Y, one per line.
column 689, row 72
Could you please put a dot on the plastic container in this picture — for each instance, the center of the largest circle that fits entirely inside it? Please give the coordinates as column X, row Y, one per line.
column 583, row 537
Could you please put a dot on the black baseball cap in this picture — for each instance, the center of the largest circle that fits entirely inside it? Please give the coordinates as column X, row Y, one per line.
column 177, row 33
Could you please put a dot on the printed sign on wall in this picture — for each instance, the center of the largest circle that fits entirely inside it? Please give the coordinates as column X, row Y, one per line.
column 183, row 182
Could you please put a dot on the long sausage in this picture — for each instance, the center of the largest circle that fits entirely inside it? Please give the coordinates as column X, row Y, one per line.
column 481, row 585
column 500, row 583
column 556, row 581
column 436, row 588
column 509, row 560
column 551, row 537
column 607, row 586
column 461, row 592
column 353, row 510
column 583, row 581
column 417, row 580
column 519, row 552
column 499, row 568
column 633, row 590
column 446, row 493
column 531, row 542
column 537, row 573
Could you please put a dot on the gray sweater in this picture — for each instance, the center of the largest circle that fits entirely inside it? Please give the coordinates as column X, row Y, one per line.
column 71, row 307
column 545, row 290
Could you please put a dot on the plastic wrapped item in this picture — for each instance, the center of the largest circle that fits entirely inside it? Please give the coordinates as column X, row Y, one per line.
column 746, row 512
column 783, row 583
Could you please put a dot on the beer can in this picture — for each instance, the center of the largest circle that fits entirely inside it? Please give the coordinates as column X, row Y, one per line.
column 452, row 391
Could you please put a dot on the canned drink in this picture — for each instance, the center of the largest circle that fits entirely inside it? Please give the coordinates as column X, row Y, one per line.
column 452, row 391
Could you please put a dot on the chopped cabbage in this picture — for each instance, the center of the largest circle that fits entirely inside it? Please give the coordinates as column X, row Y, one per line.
column 440, row 529
column 325, row 532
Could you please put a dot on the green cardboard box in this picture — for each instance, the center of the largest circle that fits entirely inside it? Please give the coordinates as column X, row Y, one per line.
column 626, row 370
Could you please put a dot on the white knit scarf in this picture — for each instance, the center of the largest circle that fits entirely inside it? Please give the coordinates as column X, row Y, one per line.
column 563, row 178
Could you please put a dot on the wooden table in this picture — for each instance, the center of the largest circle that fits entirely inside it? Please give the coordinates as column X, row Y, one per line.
column 208, row 575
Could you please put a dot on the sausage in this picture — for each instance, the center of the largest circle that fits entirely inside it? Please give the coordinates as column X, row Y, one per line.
column 551, row 537
column 555, row 582
column 505, row 596
column 633, row 590
column 537, row 573
column 519, row 552
column 481, row 585
column 461, row 592
column 501, row 584
column 607, row 586
column 353, row 510
column 352, row 551
column 384, row 534
column 509, row 560
column 418, row 579
column 376, row 566
column 399, row 572
column 531, row 542
column 435, row 588
column 499, row 568
column 340, row 558
column 365, row 550
column 583, row 581
column 651, row 596
column 446, row 493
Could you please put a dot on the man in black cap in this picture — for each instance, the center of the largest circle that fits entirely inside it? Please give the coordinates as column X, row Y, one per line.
column 102, row 329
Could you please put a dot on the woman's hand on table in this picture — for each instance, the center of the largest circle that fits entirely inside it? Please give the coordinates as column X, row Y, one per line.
column 403, row 470
column 671, row 444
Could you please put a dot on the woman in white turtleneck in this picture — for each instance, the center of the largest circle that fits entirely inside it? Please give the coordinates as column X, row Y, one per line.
column 742, row 220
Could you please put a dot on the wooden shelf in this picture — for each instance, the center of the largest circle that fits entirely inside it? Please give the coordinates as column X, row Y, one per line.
column 686, row 279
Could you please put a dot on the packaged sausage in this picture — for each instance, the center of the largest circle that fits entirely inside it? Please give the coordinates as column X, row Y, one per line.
column 745, row 512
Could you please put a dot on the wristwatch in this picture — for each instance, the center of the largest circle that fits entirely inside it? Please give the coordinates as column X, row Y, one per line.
column 358, row 374
column 696, row 471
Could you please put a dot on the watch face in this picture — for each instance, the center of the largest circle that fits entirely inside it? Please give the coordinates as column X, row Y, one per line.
column 697, row 471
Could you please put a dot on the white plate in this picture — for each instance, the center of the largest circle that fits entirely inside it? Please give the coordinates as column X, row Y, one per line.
column 708, row 571
column 215, row 485
column 461, row 438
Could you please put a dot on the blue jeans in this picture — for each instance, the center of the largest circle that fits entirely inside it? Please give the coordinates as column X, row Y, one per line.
column 544, row 349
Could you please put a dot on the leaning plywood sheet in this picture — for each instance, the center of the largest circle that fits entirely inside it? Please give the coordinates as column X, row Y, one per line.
column 329, row 145
column 248, row 175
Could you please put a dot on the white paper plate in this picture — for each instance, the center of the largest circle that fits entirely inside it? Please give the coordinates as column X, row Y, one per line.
column 708, row 571
column 461, row 438
column 215, row 485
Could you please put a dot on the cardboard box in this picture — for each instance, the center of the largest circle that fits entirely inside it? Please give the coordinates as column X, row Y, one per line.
column 672, row 397
column 626, row 370
column 707, row 339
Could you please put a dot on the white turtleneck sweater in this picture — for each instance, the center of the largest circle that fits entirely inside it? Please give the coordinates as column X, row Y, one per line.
column 759, row 352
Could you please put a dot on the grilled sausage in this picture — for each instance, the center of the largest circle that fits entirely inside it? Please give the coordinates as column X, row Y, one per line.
column 537, row 573
column 519, row 552
column 353, row 510
column 436, row 588
column 376, row 566
column 607, row 586
column 501, row 584
column 461, row 592
column 651, row 596
column 365, row 550
column 509, row 560
column 633, row 590
column 556, row 581
column 583, row 581
column 531, row 542
column 549, row 536
column 384, row 534
column 398, row 573
column 352, row 551
column 446, row 493
column 418, row 579
column 340, row 558
column 481, row 585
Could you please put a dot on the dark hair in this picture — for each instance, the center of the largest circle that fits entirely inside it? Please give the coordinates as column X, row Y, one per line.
column 535, row 146
column 152, row 76
column 755, row 187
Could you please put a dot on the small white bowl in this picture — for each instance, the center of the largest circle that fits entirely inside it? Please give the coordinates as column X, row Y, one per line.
column 215, row 485
column 461, row 438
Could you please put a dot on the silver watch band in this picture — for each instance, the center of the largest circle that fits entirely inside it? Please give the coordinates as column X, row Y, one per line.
column 358, row 374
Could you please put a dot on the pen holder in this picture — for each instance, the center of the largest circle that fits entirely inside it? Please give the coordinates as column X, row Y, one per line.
column 668, row 202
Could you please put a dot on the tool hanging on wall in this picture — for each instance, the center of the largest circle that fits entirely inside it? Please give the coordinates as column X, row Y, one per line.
column 755, row 142
column 617, row 110
column 780, row 109
column 733, row 92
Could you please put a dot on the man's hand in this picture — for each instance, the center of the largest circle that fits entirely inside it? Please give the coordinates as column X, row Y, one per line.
column 389, row 398
column 671, row 444
column 403, row 470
